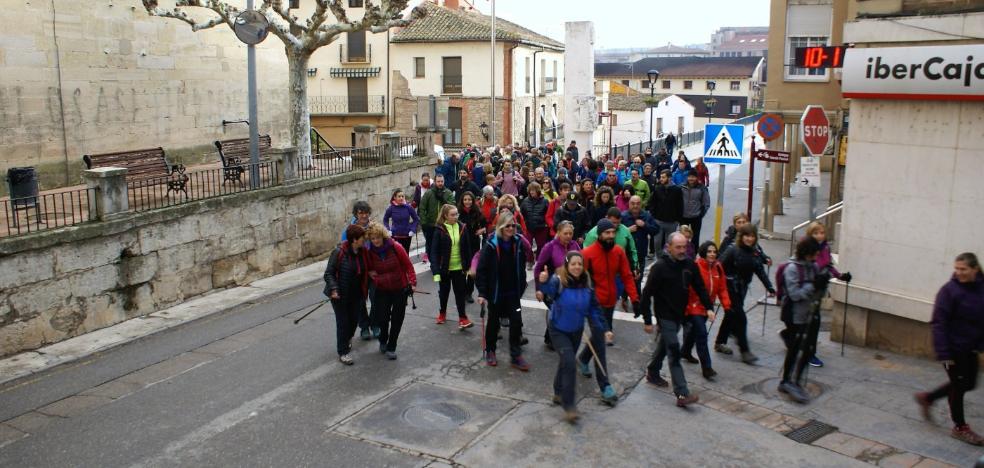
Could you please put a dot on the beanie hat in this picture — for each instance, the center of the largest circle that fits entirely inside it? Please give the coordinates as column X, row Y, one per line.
column 604, row 225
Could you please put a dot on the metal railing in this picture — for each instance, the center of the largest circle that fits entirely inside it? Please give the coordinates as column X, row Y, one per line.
column 450, row 84
column 411, row 147
column 160, row 192
column 748, row 119
column 328, row 105
column 46, row 211
column 835, row 208
column 319, row 143
column 347, row 56
column 342, row 161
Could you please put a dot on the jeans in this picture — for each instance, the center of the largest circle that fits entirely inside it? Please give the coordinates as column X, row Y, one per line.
column 565, row 381
column 694, row 224
column 389, row 310
column 963, row 378
column 346, row 317
column 735, row 322
column 598, row 343
column 665, row 229
column 505, row 308
column 456, row 280
column 668, row 344
column 695, row 333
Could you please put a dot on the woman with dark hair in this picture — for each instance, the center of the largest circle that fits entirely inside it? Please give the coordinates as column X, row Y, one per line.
column 401, row 219
column 800, row 311
column 347, row 285
column 393, row 279
column 624, row 195
column 470, row 214
column 740, row 262
column 958, row 337
column 604, row 200
column 695, row 329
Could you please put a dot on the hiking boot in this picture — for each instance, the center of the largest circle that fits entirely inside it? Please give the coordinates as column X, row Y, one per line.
column 470, row 300
column 816, row 362
column 684, row 401
column 490, row 359
column 708, row 373
column 795, row 392
column 555, row 400
column 656, row 381
column 465, row 323
column 523, row 341
column 365, row 334
column 391, row 355
column 346, row 359
column 584, row 368
column 748, row 358
column 723, row 349
column 608, row 396
column 441, row 318
column 571, row 416
column 689, row 357
column 375, row 332
column 966, row 434
column 519, row 363
column 925, row 406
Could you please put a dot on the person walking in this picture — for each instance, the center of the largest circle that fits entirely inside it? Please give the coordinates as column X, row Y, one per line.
column 464, row 184
column 642, row 226
column 471, row 216
column 572, row 211
column 430, row 207
column 394, row 280
column 401, row 219
column 740, row 262
column 501, row 281
column 666, row 206
column 800, row 312
column 696, row 202
column 609, row 266
column 666, row 294
column 361, row 216
column 825, row 265
column 572, row 301
column 551, row 258
column 695, row 329
column 604, row 200
column 451, row 252
column 670, row 142
column 958, row 338
column 347, row 286
column 534, row 210
column 508, row 181
column 420, row 189
column 639, row 186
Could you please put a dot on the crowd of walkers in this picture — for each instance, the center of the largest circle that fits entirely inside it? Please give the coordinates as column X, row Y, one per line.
column 582, row 229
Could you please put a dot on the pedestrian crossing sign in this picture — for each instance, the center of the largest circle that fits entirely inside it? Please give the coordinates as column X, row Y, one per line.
column 723, row 144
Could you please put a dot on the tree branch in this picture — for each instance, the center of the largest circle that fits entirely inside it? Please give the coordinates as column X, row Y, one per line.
column 278, row 7
column 154, row 10
column 376, row 19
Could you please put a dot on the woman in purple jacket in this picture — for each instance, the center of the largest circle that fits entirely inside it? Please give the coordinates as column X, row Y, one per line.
column 401, row 219
column 552, row 256
column 958, row 337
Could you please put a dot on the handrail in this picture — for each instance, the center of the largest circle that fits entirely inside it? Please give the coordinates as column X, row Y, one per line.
column 836, row 207
column 317, row 141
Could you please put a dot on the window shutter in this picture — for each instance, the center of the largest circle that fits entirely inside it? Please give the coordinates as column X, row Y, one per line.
column 809, row 20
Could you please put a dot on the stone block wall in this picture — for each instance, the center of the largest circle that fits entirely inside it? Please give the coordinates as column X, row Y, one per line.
column 62, row 283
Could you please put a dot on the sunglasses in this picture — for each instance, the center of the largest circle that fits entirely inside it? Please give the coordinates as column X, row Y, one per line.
column 513, row 226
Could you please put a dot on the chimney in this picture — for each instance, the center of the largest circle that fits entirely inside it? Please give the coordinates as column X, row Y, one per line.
column 452, row 4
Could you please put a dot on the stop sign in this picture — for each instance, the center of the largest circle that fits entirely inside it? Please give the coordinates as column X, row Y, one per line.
column 815, row 130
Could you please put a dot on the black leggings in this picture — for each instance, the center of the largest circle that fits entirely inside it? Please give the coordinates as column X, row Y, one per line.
column 735, row 322
column 963, row 378
column 505, row 308
column 453, row 280
column 801, row 345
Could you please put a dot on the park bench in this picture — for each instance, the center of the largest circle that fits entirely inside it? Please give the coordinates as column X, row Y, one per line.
column 235, row 155
column 144, row 167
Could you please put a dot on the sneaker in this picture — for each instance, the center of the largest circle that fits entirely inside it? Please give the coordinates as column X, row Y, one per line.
column 608, row 396
column 708, row 373
column 365, row 334
column 723, row 349
column 441, row 318
column 520, row 364
column 689, row 357
column 610, row 341
column 922, row 399
column 795, row 392
column 816, row 362
column 966, row 434
column 490, row 359
column 424, row 258
column 346, row 359
column 375, row 332
column 391, row 355
column 748, row 358
column 571, row 416
column 656, row 381
column 382, row 347
column 555, row 400
column 584, row 368
column 684, row 401
column 470, row 300
column 465, row 323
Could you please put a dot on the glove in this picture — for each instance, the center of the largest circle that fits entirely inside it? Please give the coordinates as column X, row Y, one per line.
column 636, row 310
column 437, row 278
column 846, row 277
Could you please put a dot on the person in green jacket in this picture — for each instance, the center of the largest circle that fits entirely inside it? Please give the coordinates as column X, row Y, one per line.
column 640, row 187
column 623, row 238
column 430, row 206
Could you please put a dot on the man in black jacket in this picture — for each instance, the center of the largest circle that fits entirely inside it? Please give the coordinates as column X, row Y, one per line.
column 572, row 211
column 666, row 206
column 463, row 184
column 668, row 290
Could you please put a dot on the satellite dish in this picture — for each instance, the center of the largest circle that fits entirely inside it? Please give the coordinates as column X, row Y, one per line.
column 251, row 27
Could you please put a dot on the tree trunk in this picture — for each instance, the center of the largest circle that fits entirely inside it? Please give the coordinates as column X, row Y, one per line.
column 300, row 115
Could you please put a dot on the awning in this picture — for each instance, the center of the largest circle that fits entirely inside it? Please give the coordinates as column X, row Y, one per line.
column 355, row 72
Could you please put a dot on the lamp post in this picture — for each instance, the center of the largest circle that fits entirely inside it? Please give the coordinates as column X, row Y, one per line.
column 710, row 102
column 484, row 128
column 653, row 76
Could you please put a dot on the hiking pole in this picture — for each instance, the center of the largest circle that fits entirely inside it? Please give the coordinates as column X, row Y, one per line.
column 412, row 302
column 594, row 354
column 310, row 312
column 765, row 310
column 847, row 287
column 482, row 315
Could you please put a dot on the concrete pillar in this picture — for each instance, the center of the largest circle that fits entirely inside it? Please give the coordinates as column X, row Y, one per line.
column 287, row 164
column 580, row 110
column 365, row 135
column 427, row 139
column 391, row 140
column 110, row 197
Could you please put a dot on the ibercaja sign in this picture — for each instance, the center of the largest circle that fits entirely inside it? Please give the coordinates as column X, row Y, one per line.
column 952, row 73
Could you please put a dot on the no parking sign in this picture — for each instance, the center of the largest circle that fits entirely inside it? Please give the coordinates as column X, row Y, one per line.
column 770, row 126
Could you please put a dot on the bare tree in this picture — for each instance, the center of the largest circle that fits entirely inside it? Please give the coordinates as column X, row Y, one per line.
column 301, row 39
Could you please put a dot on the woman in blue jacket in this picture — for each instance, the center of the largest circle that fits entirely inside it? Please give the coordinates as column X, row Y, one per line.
column 573, row 300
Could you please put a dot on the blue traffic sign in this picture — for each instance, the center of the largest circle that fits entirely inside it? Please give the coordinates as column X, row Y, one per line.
column 723, row 144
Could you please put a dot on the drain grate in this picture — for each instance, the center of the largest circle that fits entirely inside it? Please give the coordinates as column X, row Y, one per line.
column 436, row 416
column 810, row 432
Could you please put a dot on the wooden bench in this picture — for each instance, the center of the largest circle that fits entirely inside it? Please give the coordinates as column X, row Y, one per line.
column 235, row 156
column 144, row 167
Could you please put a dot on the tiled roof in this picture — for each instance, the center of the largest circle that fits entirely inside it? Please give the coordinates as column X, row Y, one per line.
column 746, row 42
column 681, row 67
column 631, row 102
column 444, row 25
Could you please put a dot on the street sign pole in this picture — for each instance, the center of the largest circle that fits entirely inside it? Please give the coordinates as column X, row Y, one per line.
column 254, row 127
column 815, row 135
column 723, row 144
column 751, row 180
column 719, row 209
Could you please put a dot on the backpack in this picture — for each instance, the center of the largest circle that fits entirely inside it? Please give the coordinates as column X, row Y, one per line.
column 785, row 306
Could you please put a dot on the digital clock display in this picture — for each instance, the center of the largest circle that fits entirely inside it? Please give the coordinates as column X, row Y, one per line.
column 820, row 57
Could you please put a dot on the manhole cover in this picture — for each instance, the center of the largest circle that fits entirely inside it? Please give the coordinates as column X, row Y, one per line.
column 769, row 388
column 436, row 416
column 810, row 432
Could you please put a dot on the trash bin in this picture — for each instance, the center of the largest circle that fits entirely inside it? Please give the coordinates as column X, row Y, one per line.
column 22, row 183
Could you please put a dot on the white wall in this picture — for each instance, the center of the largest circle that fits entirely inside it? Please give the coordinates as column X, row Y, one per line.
column 580, row 113
column 670, row 110
column 326, row 58
column 631, row 127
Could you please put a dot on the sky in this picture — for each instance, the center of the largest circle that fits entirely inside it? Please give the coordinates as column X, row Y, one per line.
column 632, row 23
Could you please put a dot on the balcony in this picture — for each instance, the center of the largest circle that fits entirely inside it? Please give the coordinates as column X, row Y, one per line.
column 549, row 85
column 341, row 105
column 354, row 54
column 450, row 84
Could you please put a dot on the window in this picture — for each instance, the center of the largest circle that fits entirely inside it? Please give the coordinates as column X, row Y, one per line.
column 625, row 82
column 294, row 4
column 687, row 84
column 527, row 71
column 806, row 25
column 666, row 84
column 355, row 4
column 358, row 95
column 645, row 84
column 554, row 76
column 357, row 46
column 795, row 42
column 659, row 125
column 526, row 122
column 707, row 84
column 736, row 85
column 735, row 106
column 452, row 136
column 418, row 67
column 451, row 79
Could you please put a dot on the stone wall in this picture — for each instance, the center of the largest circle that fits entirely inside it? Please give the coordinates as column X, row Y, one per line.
column 61, row 283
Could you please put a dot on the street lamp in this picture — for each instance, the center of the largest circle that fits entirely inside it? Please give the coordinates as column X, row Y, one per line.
column 484, row 128
column 710, row 102
column 653, row 76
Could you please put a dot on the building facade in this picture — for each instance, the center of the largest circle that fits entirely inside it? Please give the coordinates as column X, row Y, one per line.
column 740, row 42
